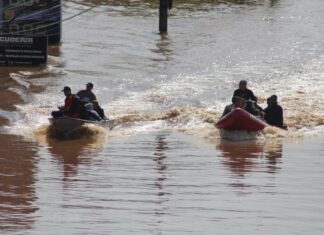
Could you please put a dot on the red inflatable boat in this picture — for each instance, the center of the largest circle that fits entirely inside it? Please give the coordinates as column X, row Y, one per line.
column 240, row 120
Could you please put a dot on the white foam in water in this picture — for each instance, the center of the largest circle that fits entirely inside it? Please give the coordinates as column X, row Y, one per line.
column 32, row 116
column 19, row 79
column 27, row 122
column 180, row 90
column 135, row 128
column 299, row 93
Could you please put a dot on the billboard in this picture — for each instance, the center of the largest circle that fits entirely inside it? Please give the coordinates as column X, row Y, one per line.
column 19, row 50
column 32, row 17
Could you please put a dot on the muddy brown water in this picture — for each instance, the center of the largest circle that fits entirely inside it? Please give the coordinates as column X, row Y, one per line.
column 163, row 169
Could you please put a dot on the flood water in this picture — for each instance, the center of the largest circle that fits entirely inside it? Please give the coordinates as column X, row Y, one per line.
column 163, row 168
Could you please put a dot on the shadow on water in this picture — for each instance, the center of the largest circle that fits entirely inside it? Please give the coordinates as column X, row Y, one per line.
column 18, row 169
column 244, row 157
column 72, row 153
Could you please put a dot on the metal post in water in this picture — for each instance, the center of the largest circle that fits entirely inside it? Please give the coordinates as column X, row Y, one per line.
column 163, row 19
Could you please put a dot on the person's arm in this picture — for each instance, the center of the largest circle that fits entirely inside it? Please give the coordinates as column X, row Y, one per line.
column 252, row 96
column 102, row 113
column 227, row 109
column 93, row 97
column 266, row 114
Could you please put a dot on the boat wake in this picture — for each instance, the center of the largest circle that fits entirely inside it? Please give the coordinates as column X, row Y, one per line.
column 84, row 131
column 194, row 121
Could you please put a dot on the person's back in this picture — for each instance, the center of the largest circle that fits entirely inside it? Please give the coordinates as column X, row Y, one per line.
column 274, row 113
column 79, row 105
column 74, row 107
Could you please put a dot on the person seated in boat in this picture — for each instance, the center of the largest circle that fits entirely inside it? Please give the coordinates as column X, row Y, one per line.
column 87, row 95
column 251, row 100
column 92, row 114
column 99, row 110
column 253, row 108
column 237, row 102
column 244, row 92
column 82, row 109
column 273, row 113
column 70, row 108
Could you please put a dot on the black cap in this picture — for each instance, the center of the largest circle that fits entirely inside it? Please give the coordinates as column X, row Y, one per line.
column 89, row 84
column 66, row 88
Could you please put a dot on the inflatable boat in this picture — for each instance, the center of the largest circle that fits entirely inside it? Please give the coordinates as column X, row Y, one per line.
column 240, row 120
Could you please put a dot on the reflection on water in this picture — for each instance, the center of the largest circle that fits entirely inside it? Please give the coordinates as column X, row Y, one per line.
column 274, row 3
column 240, row 157
column 164, row 180
column 149, row 7
column 273, row 155
column 163, row 47
column 71, row 153
column 54, row 50
column 246, row 156
column 160, row 155
column 18, row 169
column 8, row 99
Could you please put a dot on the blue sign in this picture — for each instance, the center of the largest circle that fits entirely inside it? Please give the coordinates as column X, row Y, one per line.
column 32, row 17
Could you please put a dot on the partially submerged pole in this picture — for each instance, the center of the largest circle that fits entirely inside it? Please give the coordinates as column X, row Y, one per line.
column 165, row 5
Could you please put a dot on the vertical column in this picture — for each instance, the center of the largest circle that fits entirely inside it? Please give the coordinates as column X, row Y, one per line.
column 165, row 5
column 1, row 9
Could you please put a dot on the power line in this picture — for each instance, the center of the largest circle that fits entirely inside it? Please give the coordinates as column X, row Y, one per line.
column 50, row 24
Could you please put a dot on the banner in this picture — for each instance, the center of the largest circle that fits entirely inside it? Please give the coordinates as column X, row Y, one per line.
column 18, row 50
column 32, row 17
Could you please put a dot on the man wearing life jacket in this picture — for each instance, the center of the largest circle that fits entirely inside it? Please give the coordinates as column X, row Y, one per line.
column 71, row 106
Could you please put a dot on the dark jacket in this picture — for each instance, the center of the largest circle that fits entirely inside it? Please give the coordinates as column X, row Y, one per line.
column 274, row 115
column 245, row 94
column 228, row 109
column 101, row 112
column 88, row 97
